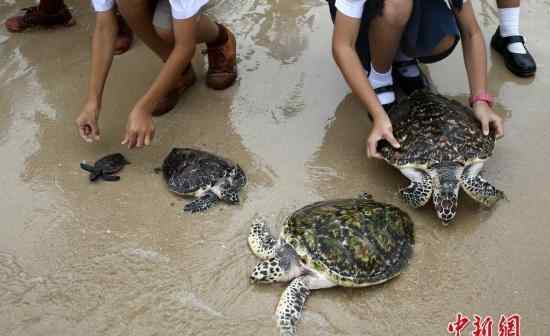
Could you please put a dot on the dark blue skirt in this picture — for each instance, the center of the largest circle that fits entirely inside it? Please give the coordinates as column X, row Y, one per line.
column 430, row 22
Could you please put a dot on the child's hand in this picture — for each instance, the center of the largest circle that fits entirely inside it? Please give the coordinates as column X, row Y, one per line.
column 381, row 129
column 488, row 118
column 140, row 129
column 87, row 122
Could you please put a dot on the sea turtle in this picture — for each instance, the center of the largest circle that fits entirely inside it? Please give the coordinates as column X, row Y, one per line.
column 208, row 177
column 354, row 242
column 105, row 167
column 442, row 148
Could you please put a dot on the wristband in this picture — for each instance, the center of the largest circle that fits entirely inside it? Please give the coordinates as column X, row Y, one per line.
column 484, row 97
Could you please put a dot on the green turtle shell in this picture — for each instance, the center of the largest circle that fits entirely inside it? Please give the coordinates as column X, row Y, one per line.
column 355, row 242
column 432, row 129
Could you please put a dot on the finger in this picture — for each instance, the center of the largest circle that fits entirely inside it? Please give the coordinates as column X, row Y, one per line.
column 373, row 152
column 147, row 140
column 371, row 146
column 126, row 138
column 485, row 126
column 132, row 140
column 140, row 140
column 94, row 132
column 391, row 139
column 499, row 127
column 85, row 133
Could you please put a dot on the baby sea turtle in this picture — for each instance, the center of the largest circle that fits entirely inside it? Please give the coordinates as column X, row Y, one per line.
column 105, row 167
column 203, row 175
column 348, row 242
column 442, row 148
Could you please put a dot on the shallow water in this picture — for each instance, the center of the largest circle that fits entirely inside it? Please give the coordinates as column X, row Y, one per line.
column 121, row 259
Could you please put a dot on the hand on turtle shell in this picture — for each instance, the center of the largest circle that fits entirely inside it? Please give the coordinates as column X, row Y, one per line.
column 140, row 129
column 87, row 122
column 381, row 130
column 488, row 118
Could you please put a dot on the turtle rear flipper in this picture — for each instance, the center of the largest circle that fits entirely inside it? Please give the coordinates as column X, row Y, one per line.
column 202, row 203
column 481, row 190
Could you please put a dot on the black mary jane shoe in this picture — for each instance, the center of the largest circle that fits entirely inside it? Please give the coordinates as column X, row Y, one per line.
column 408, row 84
column 522, row 65
column 387, row 107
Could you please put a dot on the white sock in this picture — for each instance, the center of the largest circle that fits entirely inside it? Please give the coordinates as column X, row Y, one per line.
column 377, row 80
column 409, row 70
column 509, row 26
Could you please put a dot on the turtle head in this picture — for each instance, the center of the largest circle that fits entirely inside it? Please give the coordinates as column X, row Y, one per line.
column 268, row 271
column 445, row 190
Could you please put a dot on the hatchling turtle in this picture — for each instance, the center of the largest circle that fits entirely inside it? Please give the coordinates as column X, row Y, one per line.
column 105, row 167
column 442, row 148
column 354, row 242
column 208, row 177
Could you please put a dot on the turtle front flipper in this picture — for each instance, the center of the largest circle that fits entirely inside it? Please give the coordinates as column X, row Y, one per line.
column 230, row 196
column 110, row 178
column 260, row 240
column 202, row 203
column 418, row 193
column 291, row 305
column 94, row 172
column 481, row 190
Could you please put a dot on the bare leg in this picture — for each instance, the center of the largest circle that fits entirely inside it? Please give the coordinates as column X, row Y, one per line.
column 207, row 32
column 139, row 17
column 385, row 33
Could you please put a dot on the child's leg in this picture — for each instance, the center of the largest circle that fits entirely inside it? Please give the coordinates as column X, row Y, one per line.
column 140, row 19
column 385, row 32
column 508, row 41
column 48, row 13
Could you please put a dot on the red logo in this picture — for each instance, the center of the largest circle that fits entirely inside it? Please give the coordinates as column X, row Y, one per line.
column 459, row 325
column 507, row 325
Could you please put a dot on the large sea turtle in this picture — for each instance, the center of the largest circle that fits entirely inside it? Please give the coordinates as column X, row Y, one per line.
column 203, row 175
column 354, row 242
column 105, row 167
column 442, row 148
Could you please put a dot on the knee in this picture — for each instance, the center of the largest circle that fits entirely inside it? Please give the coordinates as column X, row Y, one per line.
column 165, row 35
column 444, row 45
column 397, row 12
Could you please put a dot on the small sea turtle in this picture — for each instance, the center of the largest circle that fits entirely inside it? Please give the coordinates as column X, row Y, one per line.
column 204, row 175
column 442, row 148
column 354, row 242
column 105, row 167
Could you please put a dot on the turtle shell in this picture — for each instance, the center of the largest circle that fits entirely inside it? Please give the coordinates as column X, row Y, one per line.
column 111, row 164
column 187, row 170
column 354, row 242
column 432, row 129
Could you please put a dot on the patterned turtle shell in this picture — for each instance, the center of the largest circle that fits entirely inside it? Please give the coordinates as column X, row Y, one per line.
column 355, row 242
column 432, row 129
column 186, row 170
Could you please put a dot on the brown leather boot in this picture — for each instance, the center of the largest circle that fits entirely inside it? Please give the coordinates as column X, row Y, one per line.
column 167, row 103
column 222, row 63
column 35, row 16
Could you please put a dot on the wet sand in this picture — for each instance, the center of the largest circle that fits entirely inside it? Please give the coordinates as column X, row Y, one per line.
column 121, row 259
